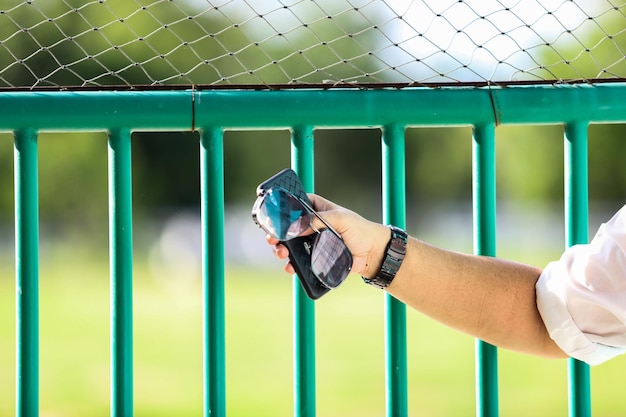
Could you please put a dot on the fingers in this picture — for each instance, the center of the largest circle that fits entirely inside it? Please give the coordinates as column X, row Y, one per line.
column 281, row 252
column 289, row 268
column 271, row 240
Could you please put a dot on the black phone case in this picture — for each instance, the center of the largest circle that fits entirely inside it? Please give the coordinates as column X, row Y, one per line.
column 300, row 247
column 300, row 258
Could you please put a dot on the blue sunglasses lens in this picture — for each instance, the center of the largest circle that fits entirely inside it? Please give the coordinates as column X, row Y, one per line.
column 282, row 215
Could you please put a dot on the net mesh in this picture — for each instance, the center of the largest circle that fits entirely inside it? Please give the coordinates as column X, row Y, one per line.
column 61, row 43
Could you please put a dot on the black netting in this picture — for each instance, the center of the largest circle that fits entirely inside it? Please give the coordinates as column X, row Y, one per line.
column 258, row 42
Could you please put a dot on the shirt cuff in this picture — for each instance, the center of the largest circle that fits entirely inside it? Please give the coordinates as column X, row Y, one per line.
column 552, row 305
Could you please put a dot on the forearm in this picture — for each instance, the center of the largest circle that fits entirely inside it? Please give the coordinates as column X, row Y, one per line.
column 488, row 298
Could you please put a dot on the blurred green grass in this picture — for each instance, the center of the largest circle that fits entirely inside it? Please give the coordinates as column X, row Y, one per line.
column 74, row 351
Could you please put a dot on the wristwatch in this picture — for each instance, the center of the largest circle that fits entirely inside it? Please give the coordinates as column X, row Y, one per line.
column 394, row 255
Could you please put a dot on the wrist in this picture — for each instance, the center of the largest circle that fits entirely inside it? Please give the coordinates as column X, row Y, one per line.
column 392, row 258
column 376, row 255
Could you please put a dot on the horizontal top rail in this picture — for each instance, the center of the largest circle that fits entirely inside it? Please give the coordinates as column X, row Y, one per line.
column 96, row 110
column 189, row 109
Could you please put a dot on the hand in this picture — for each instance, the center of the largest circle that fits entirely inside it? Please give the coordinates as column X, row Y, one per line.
column 489, row 298
column 366, row 240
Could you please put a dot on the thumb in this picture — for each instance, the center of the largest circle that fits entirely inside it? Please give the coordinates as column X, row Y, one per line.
column 330, row 212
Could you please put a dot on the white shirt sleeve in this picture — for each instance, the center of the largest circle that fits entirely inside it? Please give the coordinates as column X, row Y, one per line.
column 582, row 297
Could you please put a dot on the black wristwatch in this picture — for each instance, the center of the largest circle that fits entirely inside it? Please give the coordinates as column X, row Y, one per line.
column 394, row 255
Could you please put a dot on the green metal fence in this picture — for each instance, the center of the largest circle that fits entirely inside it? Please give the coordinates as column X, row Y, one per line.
column 302, row 110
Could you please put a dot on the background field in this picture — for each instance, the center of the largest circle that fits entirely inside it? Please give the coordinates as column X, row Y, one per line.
column 350, row 380
column 74, row 293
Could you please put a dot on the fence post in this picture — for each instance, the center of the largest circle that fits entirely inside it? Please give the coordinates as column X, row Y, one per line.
column 121, row 260
column 26, row 273
column 485, row 244
column 213, row 270
column 576, row 218
column 302, row 152
column 394, row 212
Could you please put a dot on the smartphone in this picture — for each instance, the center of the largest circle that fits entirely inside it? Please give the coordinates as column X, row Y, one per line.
column 299, row 247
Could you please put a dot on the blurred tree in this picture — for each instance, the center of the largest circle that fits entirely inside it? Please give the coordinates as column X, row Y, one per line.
column 166, row 169
column 529, row 163
column 439, row 163
column 607, row 159
column 6, row 177
column 73, row 184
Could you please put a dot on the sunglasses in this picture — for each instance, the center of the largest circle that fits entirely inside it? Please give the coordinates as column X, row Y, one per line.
column 284, row 216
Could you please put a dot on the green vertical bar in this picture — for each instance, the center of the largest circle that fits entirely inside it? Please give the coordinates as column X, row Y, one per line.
column 576, row 218
column 27, row 273
column 394, row 212
column 304, row 311
column 212, row 212
column 121, row 264
column 484, row 197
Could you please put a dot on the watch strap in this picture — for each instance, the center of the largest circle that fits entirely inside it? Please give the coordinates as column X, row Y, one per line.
column 394, row 255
